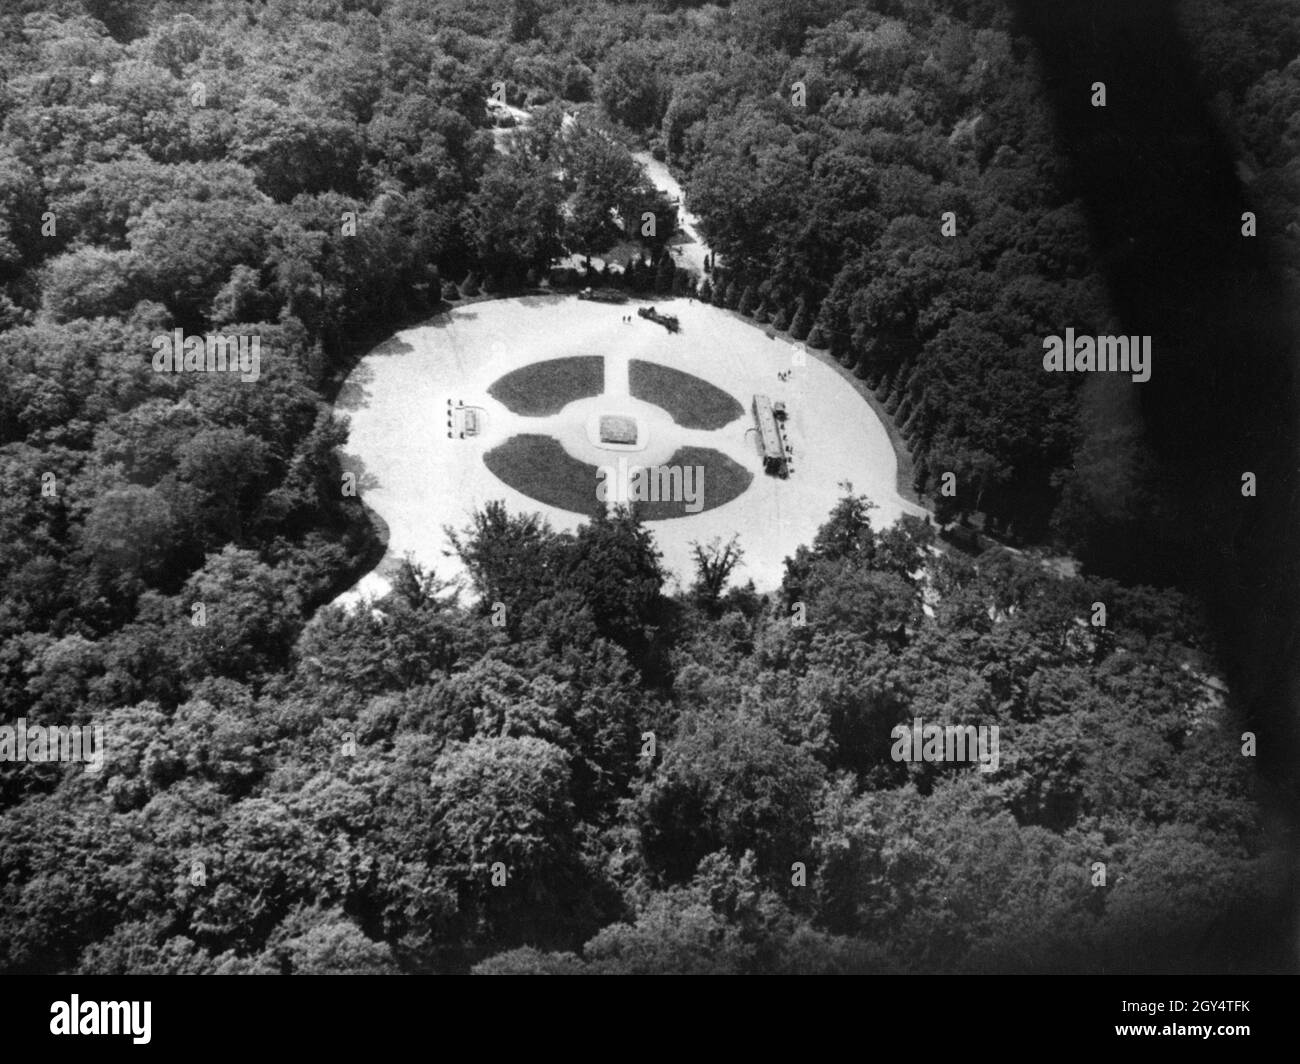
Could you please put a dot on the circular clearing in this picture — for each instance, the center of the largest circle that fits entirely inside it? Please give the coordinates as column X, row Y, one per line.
column 418, row 480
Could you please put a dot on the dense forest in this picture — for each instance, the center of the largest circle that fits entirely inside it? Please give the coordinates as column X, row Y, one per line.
column 616, row 779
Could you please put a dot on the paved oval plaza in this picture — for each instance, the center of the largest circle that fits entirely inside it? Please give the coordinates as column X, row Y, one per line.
column 552, row 404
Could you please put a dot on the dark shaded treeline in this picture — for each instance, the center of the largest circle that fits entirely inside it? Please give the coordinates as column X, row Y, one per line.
column 1165, row 204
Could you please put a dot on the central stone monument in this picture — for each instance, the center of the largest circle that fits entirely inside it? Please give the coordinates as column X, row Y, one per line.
column 618, row 428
